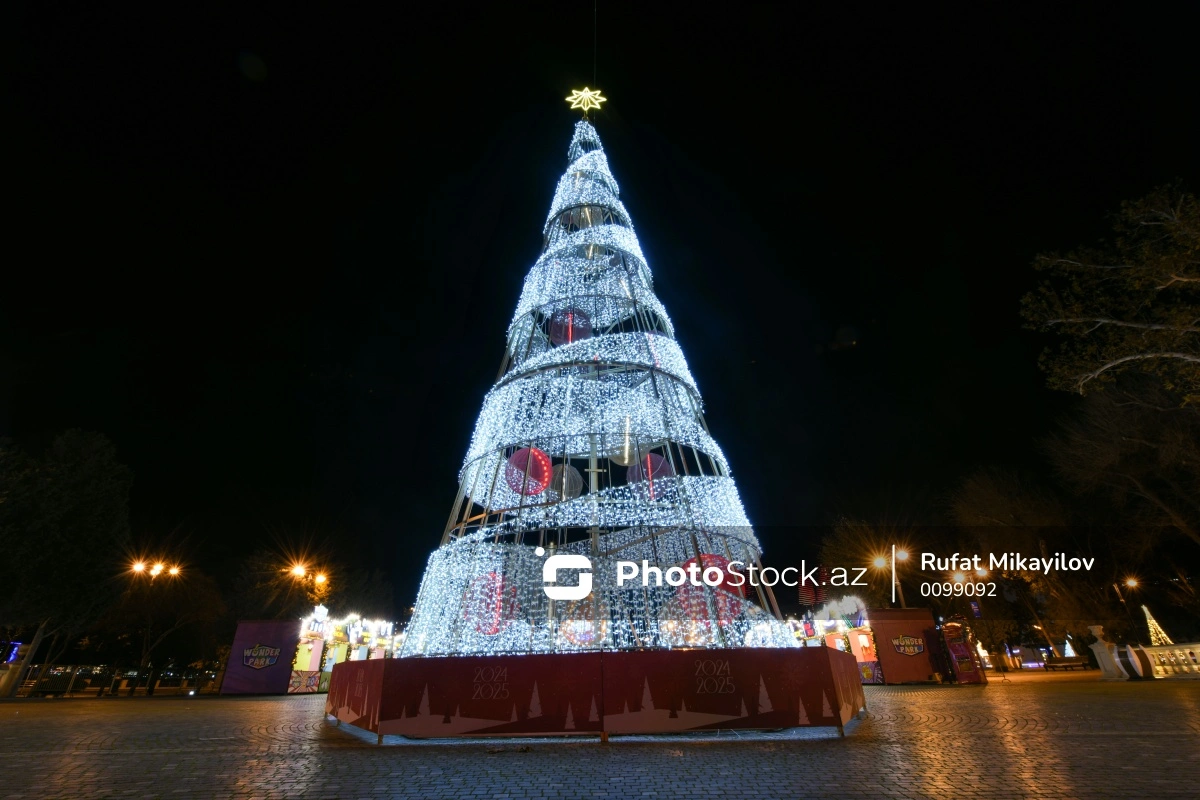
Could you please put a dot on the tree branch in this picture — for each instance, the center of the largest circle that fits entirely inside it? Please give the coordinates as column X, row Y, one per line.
column 1087, row 376
column 1179, row 522
column 1178, row 279
column 1146, row 326
column 1069, row 262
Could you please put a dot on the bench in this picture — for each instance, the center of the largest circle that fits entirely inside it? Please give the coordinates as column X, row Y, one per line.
column 1067, row 662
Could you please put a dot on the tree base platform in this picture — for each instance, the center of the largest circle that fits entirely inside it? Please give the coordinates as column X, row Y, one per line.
column 595, row 693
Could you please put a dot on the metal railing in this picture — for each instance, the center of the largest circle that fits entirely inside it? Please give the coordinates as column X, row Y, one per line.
column 100, row 681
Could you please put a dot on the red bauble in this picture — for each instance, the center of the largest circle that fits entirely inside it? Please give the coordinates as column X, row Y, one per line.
column 647, row 472
column 706, row 560
column 651, row 467
column 490, row 603
column 570, row 325
column 528, row 471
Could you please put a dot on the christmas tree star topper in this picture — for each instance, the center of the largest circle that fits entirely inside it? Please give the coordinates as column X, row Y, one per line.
column 586, row 99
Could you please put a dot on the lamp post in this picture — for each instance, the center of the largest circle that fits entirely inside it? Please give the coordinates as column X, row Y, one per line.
column 881, row 562
column 1130, row 583
column 150, row 572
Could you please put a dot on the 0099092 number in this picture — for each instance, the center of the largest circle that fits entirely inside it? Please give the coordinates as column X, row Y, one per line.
column 955, row 589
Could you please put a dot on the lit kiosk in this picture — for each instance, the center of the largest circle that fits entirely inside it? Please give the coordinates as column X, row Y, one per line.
column 591, row 449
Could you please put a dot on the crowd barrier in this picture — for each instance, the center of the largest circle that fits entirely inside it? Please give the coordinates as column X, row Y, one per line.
column 598, row 693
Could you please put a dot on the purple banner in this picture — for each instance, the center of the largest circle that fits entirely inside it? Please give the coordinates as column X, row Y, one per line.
column 261, row 659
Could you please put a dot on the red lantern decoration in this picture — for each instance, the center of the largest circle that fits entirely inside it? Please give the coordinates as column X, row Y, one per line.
column 528, row 471
column 727, row 596
column 490, row 604
column 570, row 325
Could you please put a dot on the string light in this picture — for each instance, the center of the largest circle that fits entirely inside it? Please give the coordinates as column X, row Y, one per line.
column 595, row 381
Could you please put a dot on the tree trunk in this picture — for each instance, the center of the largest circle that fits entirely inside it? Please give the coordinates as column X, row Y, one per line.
column 12, row 680
column 46, row 664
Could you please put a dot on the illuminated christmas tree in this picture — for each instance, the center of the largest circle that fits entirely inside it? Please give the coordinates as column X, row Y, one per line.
column 592, row 443
column 1158, row 636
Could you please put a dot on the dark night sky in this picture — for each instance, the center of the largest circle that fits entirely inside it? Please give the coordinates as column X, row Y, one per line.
column 272, row 253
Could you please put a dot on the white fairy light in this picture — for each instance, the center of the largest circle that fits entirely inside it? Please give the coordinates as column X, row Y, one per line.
column 596, row 383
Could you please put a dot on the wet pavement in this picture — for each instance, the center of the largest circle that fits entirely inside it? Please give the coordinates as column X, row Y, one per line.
column 1066, row 735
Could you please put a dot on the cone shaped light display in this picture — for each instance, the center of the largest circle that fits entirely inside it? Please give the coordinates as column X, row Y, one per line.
column 595, row 388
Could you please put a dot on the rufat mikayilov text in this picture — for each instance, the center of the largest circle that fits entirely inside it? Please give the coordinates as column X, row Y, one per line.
column 1006, row 562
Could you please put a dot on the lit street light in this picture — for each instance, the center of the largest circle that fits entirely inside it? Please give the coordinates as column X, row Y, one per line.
column 316, row 584
column 139, row 568
column 1132, row 584
column 881, row 562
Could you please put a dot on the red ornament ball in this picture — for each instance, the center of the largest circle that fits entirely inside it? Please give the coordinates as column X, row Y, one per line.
column 490, row 603
column 528, row 471
column 733, row 582
column 570, row 325
column 727, row 597
column 651, row 467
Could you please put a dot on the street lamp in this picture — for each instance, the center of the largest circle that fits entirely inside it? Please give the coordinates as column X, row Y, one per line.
column 1132, row 584
column 158, row 568
column 881, row 562
column 315, row 584
column 139, row 568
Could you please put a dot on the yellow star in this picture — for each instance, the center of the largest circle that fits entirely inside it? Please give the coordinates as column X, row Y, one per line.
column 586, row 99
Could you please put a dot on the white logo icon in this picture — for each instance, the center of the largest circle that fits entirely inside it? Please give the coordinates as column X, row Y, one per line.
column 550, row 576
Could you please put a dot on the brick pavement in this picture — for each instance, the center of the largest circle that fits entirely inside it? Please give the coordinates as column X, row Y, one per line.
column 1032, row 737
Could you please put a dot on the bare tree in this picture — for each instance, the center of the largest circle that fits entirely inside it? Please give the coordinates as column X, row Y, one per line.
column 1128, row 306
column 1139, row 455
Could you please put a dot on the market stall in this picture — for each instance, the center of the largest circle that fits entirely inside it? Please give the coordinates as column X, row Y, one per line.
column 891, row 645
column 325, row 641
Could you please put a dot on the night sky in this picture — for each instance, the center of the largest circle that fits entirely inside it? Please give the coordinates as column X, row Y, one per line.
column 272, row 253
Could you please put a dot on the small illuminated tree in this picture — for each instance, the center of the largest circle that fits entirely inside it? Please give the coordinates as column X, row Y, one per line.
column 1158, row 637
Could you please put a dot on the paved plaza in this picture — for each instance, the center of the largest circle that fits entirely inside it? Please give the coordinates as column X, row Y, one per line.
column 1035, row 736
